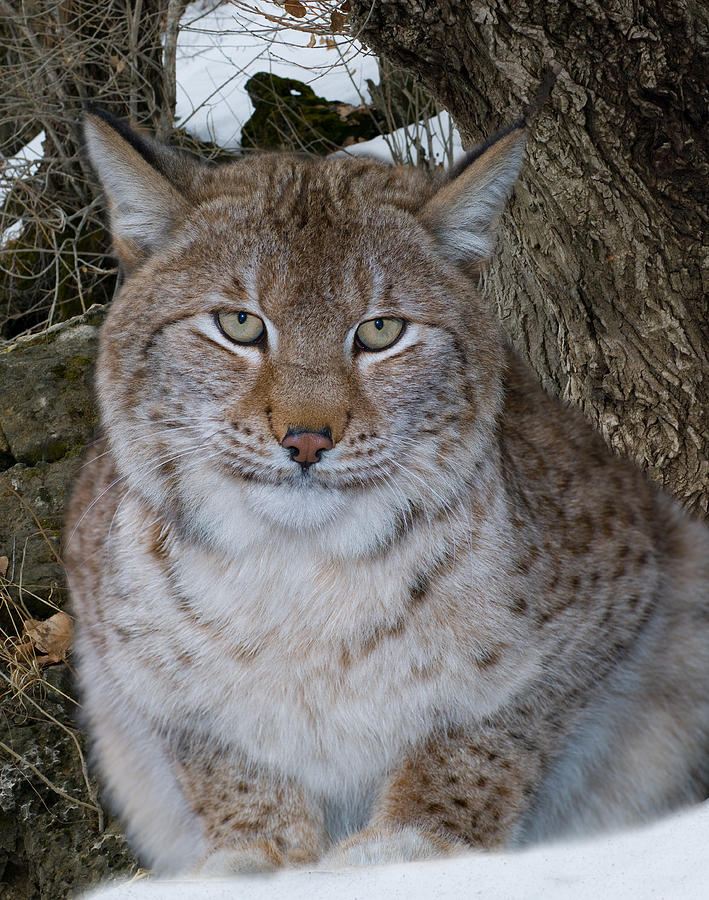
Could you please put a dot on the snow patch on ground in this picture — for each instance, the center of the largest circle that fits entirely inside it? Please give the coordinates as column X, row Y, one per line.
column 26, row 161
column 664, row 861
column 444, row 141
column 11, row 233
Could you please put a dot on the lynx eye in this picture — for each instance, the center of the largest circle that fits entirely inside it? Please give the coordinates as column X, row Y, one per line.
column 378, row 334
column 241, row 327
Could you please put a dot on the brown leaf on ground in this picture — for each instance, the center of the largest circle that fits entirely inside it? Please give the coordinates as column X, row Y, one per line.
column 52, row 638
column 4, row 563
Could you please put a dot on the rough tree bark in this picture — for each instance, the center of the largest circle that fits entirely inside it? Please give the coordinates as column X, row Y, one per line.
column 603, row 273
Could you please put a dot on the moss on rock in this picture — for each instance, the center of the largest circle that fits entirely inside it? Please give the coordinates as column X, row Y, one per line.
column 288, row 115
column 48, row 406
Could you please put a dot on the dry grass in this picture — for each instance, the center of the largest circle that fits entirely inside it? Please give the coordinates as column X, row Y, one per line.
column 23, row 659
column 27, row 648
column 22, row 682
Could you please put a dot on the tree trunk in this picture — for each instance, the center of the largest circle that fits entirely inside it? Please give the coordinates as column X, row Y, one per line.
column 602, row 277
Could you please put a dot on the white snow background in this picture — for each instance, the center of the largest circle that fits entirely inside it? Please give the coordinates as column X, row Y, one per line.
column 218, row 51
column 668, row 860
column 25, row 163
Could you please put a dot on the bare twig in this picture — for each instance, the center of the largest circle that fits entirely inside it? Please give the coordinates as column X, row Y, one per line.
column 175, row 8
column 45, row 780
column 121, row 55
column 56, row 56
column 29, row 509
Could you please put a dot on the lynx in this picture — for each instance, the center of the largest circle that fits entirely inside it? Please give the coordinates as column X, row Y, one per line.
column 350, row 587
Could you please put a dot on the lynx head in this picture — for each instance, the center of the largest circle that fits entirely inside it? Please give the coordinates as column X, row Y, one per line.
column 298, row 342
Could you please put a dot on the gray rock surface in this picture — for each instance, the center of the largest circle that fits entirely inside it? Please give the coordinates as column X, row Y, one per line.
column 47, row 408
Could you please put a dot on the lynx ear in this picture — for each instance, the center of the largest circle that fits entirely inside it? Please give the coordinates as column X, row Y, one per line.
column 145, row 184
column 463, row 214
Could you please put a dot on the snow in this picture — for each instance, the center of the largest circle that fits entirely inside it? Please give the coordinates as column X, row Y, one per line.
column 443, row 131
column 26, row 161
column 23, row 164
column 219, row 49
column 11, row 233
column 664, row 861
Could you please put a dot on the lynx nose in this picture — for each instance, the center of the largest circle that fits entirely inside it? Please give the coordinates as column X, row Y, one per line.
column 306, row 446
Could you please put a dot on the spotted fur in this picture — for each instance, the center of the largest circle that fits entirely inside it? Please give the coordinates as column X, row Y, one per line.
column 467, row 625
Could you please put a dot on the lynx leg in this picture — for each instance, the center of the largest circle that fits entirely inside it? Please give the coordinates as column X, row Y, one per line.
column 457, row 792
column 142, row 785
column 199, row 814
column 252, row 823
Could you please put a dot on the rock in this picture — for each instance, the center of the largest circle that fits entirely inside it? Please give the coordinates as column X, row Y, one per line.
column 32, row 501
column 50, row 844
column 47, row 404
column 47, row 418
column 53, row 840
column 288, row 115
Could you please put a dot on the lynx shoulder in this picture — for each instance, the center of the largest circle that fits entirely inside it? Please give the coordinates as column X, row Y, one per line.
column 349, row 586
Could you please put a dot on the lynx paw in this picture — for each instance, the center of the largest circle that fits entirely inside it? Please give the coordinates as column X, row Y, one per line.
column 376, row 845
column 260, row 856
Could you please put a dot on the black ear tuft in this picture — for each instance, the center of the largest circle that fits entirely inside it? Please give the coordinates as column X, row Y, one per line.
column 148, row 186
column 531, row 112
column 463, row 214
column 480, row 148
column 548, row 81
column 145, row 146
column 176, row 164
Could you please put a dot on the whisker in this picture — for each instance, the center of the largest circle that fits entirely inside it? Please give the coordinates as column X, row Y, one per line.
column 138, row 471
column 131, row 489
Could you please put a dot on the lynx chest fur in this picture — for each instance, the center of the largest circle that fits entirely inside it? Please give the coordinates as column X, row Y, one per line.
column 349, row 586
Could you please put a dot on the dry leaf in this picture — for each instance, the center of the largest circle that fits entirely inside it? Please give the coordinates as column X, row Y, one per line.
column 312, row 41
column 295, row 8
column 52, row 637
column 337, row 22
column 330, row 43
column 4, row 563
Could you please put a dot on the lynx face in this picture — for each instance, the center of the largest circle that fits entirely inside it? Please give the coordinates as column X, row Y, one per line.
column 284, row 295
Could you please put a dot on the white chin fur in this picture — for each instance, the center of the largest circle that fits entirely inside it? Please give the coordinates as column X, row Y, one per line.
column 233, row 513
column 303, row 507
